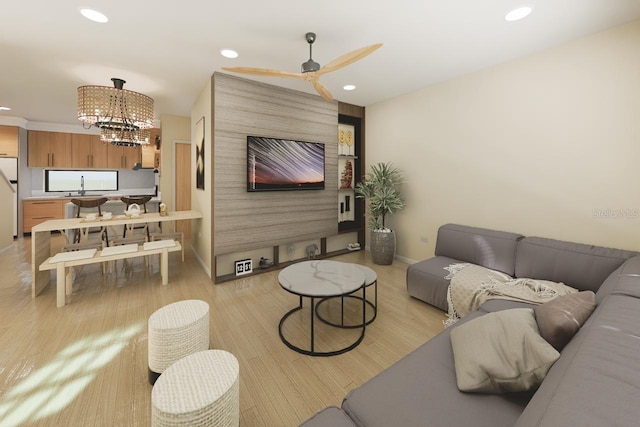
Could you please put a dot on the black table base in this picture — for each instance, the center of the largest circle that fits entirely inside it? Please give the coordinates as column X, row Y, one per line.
column 373, row 305
column 313, row 309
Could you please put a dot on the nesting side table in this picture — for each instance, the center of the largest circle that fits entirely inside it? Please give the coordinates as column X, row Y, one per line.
column 320, row 280
column 371, row 279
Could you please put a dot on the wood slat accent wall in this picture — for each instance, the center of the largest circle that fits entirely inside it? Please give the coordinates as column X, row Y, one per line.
column 243, row 220
column 351, row 110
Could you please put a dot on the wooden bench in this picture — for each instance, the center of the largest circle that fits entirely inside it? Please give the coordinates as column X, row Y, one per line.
column 62, row 262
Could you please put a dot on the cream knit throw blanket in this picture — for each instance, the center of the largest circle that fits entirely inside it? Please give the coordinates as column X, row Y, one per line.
column 472, row 285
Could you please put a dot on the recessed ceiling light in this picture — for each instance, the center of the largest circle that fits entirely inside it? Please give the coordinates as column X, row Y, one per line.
column 229, row 53
column 349, row 87
column 94, row 15
column 4, row 108
column 519, row 13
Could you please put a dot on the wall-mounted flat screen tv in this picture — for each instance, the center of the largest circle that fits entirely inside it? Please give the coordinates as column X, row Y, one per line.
column 282, row 164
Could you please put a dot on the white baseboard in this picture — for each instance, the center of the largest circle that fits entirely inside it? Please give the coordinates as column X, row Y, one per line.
column 398, row 257
column 405, row 259
column 201, row 262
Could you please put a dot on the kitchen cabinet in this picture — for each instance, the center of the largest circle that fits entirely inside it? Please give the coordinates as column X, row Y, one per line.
column 151, row 152
column 8, row 141
column 119, row 157
column 148, row 153
column 49, row 149
column 36, row 211
column 89, row 151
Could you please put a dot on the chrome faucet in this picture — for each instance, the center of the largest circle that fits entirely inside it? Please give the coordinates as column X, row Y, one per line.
column 81, row 192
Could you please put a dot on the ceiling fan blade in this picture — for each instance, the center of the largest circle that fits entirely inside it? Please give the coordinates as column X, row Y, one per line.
column 323, row 91
column 349, row 58
column 263, row 72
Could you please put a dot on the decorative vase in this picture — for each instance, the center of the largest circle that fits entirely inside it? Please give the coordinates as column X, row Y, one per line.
column 383, row 246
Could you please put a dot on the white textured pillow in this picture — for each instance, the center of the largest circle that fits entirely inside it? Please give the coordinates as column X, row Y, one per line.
column 501, row 352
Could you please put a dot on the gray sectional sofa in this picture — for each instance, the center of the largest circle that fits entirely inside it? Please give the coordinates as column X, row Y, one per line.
column 595, row 382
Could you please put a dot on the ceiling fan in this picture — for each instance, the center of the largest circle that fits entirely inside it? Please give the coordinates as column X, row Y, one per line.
column 311, row 70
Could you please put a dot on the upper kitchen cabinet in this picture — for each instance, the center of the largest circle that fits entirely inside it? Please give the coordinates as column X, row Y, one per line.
column 8, row 141
column 50, row 149
column 89, row 151
column 151, row 151
column 119, row 157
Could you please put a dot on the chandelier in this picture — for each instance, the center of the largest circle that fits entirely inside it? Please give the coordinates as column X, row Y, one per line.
column 123, row 116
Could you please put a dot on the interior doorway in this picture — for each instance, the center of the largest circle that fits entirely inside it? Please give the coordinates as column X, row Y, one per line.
column 182, row 183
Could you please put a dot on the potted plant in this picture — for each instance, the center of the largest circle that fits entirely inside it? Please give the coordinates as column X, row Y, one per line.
column 380, row 188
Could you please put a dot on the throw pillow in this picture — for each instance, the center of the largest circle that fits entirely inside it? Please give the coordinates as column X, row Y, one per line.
column 501, row 352
column 559, row 320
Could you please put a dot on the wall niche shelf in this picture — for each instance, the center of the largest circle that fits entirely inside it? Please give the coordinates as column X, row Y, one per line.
column 350, row 171
column 279, row 264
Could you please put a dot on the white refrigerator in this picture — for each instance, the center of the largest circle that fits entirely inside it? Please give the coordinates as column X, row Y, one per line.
column 9, row 165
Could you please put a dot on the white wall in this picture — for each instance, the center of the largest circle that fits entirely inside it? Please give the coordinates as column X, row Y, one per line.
column 172, row 128
column 6, row 214
column 547, row 145
column 201, row 199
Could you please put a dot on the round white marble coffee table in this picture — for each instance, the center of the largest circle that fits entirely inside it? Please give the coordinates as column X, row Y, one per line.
column 371, row 279
column 321, row 279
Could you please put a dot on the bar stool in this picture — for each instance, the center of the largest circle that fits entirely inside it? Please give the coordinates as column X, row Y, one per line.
column 82, row 234
column 128, row 231
column 81, row 240
column 140, row 201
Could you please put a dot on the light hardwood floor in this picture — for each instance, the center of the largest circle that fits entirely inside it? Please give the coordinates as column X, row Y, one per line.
column 86, row 364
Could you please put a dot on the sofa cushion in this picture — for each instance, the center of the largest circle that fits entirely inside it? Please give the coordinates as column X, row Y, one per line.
column 560, row 319
column 426, row 281
column 492, row 305
column 420, row 389
column 329, row 417
column 491, row 249
column 595, row 381
column 501, row 352
column 583, row 267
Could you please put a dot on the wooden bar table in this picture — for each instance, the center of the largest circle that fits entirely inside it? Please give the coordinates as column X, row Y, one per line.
column 41, row 238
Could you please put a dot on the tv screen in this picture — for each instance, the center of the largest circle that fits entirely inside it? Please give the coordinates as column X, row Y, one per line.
column 281, row 164
column 76, row 180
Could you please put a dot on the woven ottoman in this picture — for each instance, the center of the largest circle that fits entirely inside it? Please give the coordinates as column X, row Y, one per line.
column 201, row 389
column 175, row 331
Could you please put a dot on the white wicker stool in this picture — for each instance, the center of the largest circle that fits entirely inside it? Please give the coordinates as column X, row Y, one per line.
column 175, row 331
column 201, row 389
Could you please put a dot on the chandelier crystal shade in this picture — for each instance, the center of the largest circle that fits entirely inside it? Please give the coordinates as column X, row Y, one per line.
column 125, row 137
column 123, row 116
